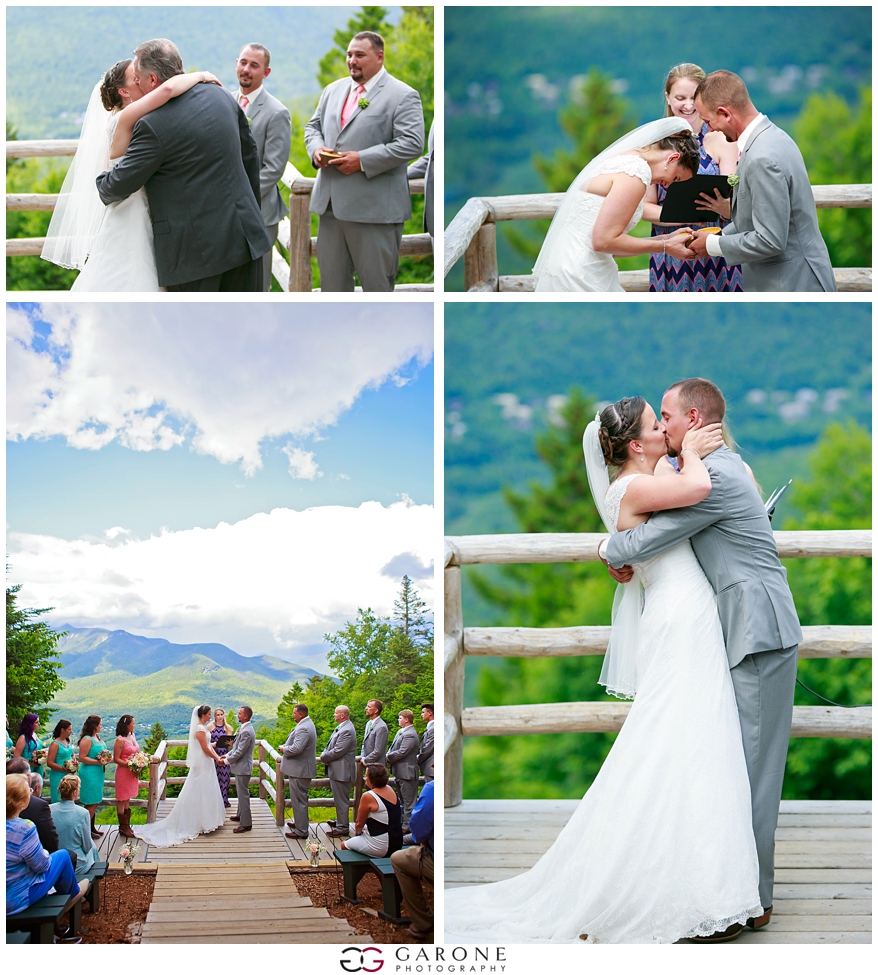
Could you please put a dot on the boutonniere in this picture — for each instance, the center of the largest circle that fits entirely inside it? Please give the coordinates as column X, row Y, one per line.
column 733, row 180
column 363, row 103
column 249, row 120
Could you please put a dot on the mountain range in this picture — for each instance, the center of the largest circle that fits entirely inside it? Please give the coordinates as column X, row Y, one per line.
column 111, row 672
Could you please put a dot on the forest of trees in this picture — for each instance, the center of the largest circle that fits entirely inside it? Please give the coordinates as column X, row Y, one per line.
column 826, row 591
column 409, row 57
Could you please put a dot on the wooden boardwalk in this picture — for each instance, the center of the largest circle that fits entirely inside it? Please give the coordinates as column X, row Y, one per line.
column 249, row 870
column 822, row 893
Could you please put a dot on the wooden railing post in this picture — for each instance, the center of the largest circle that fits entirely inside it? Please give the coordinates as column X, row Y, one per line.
column 155, row 776
column 480, row 271
column 300, row 243
column 260, row 752
column 281, row 796
column 454, row 676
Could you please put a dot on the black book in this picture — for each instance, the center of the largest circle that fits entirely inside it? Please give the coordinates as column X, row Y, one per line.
column 679, row 205
column 225, row 741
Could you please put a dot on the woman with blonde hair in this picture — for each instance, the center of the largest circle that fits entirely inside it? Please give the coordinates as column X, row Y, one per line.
column 218, row 728
column 716, row 157
column 74, row 828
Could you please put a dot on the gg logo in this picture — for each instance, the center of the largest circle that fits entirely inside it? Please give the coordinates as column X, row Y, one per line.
column 358, row 961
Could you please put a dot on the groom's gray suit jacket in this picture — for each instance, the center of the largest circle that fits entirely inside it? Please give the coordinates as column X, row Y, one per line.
column 774, row 234
column 732, row 539
column 240, row 757
column 198, row 162
column 388, row 133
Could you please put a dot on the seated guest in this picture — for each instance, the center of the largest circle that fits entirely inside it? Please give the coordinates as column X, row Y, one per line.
column 31, row 872
column 27, row 742
column 414, row 864
column 74, row 827
column 378, row 829
column 37, row 809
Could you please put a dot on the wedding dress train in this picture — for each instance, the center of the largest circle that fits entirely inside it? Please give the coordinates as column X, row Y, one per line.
column 199, row 807
column 661, row 846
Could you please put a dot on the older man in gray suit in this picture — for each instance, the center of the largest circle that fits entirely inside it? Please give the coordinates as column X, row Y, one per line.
column 365, row 130
column 299, row 764
column 403, row 759
column 339, row 757
column 774, row 234
column 240, row 762
column 270, row 126
column 732, row 539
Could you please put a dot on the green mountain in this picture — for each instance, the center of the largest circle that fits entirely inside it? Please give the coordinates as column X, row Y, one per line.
column 113, row 672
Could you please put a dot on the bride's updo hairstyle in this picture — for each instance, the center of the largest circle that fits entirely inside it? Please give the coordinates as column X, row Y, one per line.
column 620, row 424
column 112, row 81
column 203, row 711
column 685, row 70
column 687, row 145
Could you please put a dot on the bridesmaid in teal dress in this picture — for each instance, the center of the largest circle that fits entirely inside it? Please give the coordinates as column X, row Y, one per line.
column 91, row 768
column 60, row 751
column 27, row 742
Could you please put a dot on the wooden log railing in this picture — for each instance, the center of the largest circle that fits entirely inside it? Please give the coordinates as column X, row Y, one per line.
column 847, row 642
column 294, row 231
column 472, row 235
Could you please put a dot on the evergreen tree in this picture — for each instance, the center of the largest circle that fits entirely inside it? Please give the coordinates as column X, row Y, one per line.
column 288, row 702
column 32, row 661
column 408, row 610
column 333, row 64
column 157, row 734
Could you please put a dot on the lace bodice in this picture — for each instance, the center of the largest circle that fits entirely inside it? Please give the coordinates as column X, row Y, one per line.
column 615, row 493
column 631, row 166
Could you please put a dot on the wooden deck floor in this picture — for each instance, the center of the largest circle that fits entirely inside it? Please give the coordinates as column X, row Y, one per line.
column 822, row 894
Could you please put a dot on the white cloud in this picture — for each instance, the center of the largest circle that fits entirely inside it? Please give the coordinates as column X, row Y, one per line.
column 268, row 584
column 154, row 376
column 302, row 463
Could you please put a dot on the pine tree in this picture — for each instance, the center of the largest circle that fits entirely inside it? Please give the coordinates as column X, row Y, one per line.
column 32, row 661
column 332, row 65
column 157, row 734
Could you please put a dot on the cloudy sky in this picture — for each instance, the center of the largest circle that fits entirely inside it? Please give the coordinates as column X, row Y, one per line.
column 219, row 472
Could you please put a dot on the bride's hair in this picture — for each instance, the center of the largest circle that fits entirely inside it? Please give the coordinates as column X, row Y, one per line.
column 112, row 81
column 687, row 145
column 620, row 424
column 685, row 70
column 202, row 711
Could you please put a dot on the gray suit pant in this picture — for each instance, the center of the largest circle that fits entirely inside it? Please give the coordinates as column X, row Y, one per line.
column 370, row 249
column 299, row 802
column 765, row 685
column 266, row 259
column 408, row 795
column 242, row 790
column 341, row 793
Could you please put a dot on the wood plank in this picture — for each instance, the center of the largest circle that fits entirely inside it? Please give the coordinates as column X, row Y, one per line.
column 804, row 938
column 831, row 875
column 826, row 908
column 847, row 922
column 314, row 937
column 826, row 805
column 837, row 892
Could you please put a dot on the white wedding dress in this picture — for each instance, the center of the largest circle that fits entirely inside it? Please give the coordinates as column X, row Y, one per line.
column 122, row 257
column 573, row 264
column 199, row 807
column 661, row 846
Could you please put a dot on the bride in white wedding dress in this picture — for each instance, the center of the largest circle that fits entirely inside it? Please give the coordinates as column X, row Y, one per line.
column 199, row 807
column 604, row 204
column 113, row 245
column 661, row 847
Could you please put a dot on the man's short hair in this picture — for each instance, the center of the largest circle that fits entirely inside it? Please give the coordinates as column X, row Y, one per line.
column 266, row 54
column 405, row 713
column 18, row 766
column 428, row 707
column 159, row 57
column 247, row 710
column 374, row 38
column 378, row 704
column 301, row 709
column 704, row 395
column 344, row 708
column 723, row 88
column 35, row 782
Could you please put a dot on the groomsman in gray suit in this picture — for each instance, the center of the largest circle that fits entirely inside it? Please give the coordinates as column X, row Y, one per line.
column 732, row 539
column 423, row 169
column 240, row 762
column 270, row 126
column 425, row 755
column 339, row 759
column 374, row 750
column 774, row 234
column 299, row 764
column 403, row 759
column 371, row 125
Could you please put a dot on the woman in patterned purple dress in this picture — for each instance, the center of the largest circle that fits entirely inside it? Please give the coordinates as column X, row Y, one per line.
column 718, row 157
column 217, row 729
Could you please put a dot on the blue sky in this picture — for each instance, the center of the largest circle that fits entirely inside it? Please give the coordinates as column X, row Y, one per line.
column 185, row 442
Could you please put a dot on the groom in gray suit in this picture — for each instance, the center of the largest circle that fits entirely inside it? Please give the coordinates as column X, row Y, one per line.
column 375, row 125
column 732, row 539
column 240, row 762
column 271, row 128
column 774, row 234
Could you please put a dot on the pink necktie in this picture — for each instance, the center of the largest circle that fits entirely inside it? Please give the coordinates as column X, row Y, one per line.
column 349, row 106
column 245, row 101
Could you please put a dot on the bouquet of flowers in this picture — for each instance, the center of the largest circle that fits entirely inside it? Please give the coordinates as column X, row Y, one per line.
column 315, row 849
column 71, row 765
column 104, row 757
column 39, row 756
column 128, row 854
column 138, row 763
